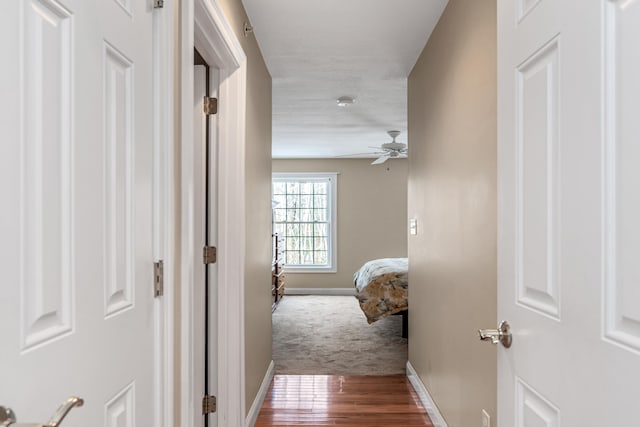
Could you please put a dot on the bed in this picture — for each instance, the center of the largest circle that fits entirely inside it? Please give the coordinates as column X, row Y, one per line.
column 381, row 289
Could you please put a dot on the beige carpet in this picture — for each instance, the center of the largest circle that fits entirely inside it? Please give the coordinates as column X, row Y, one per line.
column 330, row 335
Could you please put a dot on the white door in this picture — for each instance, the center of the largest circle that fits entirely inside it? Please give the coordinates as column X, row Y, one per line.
column 76, row 219
column 569, row 210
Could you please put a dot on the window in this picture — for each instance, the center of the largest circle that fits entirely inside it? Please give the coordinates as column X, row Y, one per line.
column 305, row 214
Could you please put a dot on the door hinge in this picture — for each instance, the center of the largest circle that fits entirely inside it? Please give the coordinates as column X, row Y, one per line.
column 158, row 4
column 158, row 279
column 209, row 255
column 209, row 405
column 210, row 105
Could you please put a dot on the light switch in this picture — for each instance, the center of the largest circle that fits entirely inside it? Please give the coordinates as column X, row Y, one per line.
column 413, row 226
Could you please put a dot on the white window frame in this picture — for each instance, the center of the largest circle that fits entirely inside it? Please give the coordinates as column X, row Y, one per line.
column 333, row 216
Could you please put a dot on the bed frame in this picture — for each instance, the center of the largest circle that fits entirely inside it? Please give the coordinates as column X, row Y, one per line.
column 405, row 322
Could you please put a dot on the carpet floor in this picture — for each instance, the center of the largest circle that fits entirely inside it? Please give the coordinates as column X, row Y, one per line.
column 329, row 335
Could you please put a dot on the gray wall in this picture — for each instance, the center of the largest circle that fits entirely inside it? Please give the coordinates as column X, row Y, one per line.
column 452, row 193
column 372, row 215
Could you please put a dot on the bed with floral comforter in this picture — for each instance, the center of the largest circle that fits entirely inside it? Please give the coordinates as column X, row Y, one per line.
column 381, row 287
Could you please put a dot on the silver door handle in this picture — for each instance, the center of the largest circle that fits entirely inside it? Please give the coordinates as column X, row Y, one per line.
column 501, row 335
column 8, row 417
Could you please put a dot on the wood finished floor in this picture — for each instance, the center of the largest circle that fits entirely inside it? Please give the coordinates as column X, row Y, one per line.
column 328, row 400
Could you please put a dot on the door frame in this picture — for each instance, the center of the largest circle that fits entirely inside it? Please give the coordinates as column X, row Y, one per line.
column 163, row 213
column 205, row 27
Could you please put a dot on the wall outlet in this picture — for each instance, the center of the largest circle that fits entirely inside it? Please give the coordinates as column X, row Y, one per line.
column 486, row 419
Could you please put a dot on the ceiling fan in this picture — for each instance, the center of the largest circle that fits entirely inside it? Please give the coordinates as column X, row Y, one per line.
column 391, row 150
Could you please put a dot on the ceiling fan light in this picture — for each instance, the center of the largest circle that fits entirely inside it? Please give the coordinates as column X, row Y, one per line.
column 345, row 101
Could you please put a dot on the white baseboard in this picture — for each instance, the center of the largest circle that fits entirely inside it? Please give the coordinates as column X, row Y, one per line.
column 254, row 411
column 427, row 401
column 320, row 291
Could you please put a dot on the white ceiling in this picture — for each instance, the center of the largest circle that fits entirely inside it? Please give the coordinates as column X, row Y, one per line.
column 317, row 51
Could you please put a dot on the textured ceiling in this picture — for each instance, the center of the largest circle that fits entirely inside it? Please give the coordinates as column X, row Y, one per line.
column 317, row 51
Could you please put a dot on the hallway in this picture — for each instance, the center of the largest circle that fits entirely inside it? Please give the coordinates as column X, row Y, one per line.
column 325, row 400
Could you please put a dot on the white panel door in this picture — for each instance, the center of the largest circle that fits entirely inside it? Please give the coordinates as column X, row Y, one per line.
column 569, row 209
column 76, row 220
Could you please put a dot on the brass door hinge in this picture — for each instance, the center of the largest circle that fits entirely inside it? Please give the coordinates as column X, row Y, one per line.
column 209, row 255
column 210, row 105
column 158, row 279
column 209, row 405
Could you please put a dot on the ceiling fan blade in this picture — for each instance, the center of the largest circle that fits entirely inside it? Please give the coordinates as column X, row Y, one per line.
column 380, row 160
column 356, row 154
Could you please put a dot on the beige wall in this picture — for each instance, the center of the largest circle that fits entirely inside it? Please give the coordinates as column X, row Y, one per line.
column 452, row 193
column 372, row 215
column 258, row 206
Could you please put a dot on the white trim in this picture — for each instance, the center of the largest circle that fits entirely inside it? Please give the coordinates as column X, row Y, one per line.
column 254, row 411
column 427, row 401
column 205, row 27
column 187, row 370
column 332, row 177
column 231, row 245
column 320, row 291
column 163, row 212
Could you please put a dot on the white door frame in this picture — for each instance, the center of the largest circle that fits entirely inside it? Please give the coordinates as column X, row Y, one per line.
column 205, row 27
column 163, row 212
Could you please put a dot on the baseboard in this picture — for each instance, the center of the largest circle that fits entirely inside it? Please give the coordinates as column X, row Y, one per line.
column 254, row 411
column 320, row 291
column 427, row 401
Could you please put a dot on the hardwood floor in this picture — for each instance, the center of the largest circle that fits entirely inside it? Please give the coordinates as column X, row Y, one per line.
column 327, row 400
